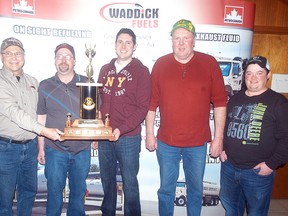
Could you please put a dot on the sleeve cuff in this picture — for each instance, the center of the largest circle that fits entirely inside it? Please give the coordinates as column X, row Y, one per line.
column 38, row 128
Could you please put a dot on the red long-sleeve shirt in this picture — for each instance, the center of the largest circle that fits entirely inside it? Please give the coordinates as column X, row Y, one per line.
column 183, row 93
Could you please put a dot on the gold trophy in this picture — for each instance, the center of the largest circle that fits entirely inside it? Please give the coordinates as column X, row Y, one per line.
column 88, row 126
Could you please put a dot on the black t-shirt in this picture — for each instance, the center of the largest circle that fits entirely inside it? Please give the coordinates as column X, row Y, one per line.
column 257, row 130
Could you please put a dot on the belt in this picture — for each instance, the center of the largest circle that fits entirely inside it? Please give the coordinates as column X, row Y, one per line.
column 14, row 141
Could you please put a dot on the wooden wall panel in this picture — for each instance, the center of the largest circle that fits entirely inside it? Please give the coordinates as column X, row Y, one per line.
column 271, row 13
column 271, row 16
column 275, row 48
column 280, row 189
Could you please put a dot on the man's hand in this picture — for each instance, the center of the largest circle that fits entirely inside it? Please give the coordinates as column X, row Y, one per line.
column 52, row 133
column 264, row 169
column 151, row 142
column 41, row 150
column 95, row 145
column 216, row 147
column 223, row 156
column 116, row 134
column 41, row 157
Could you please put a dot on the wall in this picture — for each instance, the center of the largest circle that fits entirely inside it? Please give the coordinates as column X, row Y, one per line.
column 271, row 16
column 274, row 47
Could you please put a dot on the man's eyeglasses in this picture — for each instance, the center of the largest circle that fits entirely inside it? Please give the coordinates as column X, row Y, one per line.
column 66, row 57
column 9, row 54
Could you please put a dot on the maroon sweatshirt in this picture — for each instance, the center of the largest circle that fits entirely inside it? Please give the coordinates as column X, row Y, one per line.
column 125, row 96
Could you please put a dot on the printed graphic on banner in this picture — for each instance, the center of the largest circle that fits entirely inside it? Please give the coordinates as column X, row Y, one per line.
column 233, row 14
column 23, row 7
column 134, row 13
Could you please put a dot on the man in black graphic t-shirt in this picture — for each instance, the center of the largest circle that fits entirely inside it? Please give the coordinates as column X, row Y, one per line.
column 255, row 143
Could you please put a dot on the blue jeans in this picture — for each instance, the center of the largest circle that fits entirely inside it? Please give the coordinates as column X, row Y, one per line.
column 18, row 169
column 194, row 160
column 245, row 188
column 59, row 166
column 126, row 151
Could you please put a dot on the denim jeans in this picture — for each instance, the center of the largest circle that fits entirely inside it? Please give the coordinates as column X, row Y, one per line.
column 18, row 168
column 59, row 166
column 245, row 188
column 126, row 151
column 194, row 160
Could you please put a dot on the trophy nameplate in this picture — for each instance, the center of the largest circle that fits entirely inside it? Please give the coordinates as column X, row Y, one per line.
column 89, row 126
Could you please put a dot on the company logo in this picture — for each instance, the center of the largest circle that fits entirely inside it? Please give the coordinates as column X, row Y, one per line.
column 233, row 14
column 23, row 7
column 133, row 13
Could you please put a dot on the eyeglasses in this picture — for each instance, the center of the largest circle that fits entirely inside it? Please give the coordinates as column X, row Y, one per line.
column 66, row 57
column 9, row 54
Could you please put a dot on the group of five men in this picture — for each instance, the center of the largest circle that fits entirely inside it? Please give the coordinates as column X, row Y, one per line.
column 250, row 137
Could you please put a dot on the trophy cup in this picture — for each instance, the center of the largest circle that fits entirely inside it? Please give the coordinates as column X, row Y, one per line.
column 88, row 126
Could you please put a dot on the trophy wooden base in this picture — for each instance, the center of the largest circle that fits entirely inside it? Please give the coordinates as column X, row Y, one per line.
column 88, row 129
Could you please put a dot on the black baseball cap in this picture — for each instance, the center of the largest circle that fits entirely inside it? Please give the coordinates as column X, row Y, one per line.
column 260, row 60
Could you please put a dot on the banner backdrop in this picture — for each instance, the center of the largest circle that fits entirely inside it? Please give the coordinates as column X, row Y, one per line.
column 224, row 29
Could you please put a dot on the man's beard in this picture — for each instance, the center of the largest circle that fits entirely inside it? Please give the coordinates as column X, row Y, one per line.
column 63, row 67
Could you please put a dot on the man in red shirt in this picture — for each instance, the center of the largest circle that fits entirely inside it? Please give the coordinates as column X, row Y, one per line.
column 184, row 84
